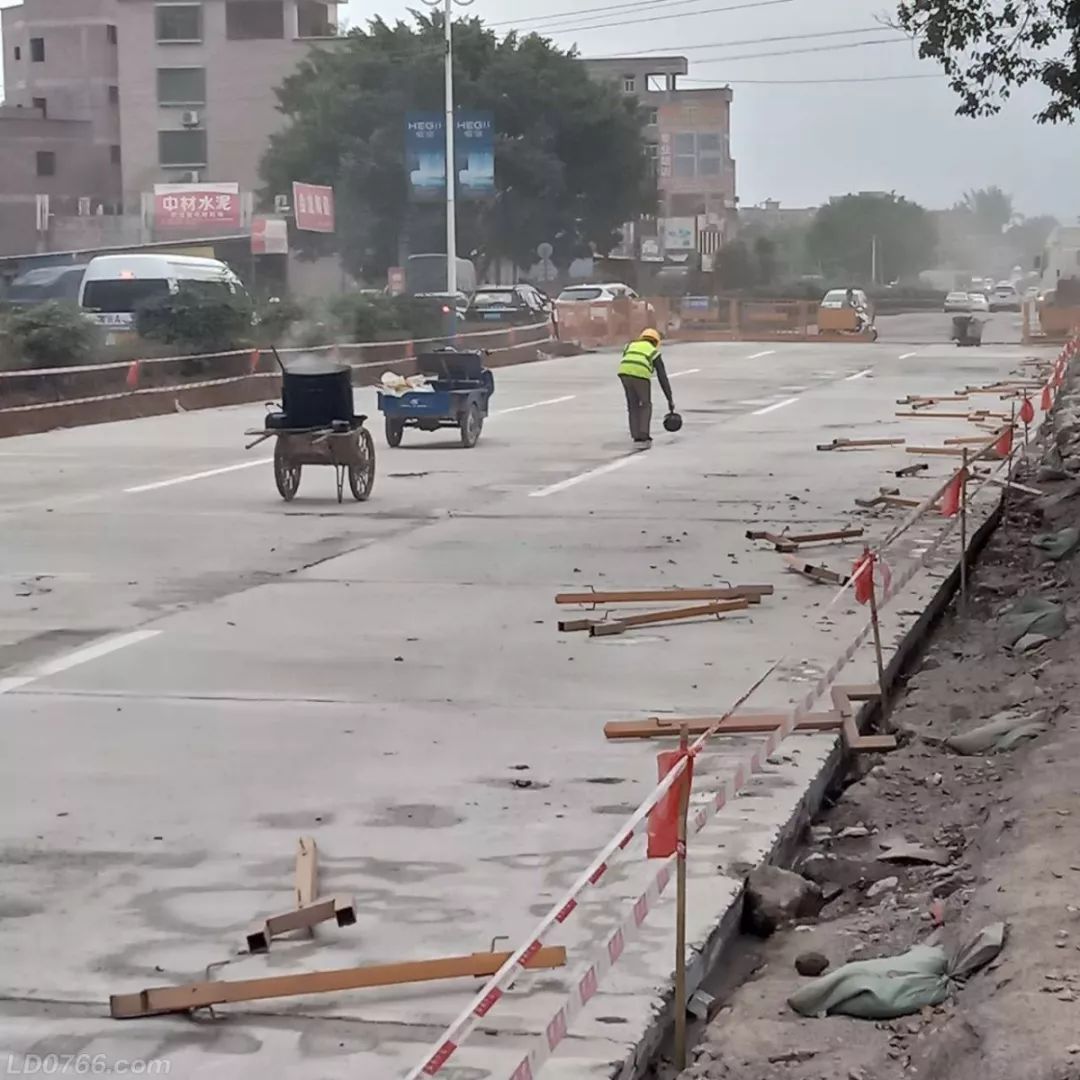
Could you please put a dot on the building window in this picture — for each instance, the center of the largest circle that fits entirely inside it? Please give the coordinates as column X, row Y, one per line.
column 684, row 148
column 114, row 154
column 181, row 86
column 46, row 163
column 651, row 117
column 18, row 53
column 37, row 50
column 41, row 104
column 185, row 149
column 313, row 19
column 629, row 84
column 178, row 22
column 657, row 83
column 254, row 20
column 114, row 95
column 110, row 34
column 652, row 156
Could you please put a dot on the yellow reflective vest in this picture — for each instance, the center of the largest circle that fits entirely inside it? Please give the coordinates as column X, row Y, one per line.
column 638, row 359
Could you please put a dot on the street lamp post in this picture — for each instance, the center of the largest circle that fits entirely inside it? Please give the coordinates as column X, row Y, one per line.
column 451, row 169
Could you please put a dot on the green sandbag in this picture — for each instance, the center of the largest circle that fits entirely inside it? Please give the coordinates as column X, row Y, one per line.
column 1057, row 545
column 878, row 989
column 893, row 986
column 1032, row 615
column 1001, row 732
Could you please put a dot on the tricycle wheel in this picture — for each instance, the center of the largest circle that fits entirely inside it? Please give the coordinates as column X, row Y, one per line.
column 394, row 430
column 471, row 425
column 362, row 474
column 286, row 474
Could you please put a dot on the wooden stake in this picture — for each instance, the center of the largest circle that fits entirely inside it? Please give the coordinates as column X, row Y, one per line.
column 963, row 533
column 656, row 727
column 680, row 912
column 876, row 625
column 307, row 871
column 171, row 999
column 342, row 909
column 753, row 593
column 618, row 626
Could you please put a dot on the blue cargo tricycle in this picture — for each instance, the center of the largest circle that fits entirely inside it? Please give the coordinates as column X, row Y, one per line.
column 459, row 388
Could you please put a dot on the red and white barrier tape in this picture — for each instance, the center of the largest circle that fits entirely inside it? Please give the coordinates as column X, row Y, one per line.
column 556, row 1030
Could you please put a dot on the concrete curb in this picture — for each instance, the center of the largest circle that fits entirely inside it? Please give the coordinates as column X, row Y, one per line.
column 158, row 401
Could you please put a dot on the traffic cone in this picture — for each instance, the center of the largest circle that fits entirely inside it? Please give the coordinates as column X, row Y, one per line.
column 253, row 361
column 1047, row 399
column 664, row 817
column 132, row 379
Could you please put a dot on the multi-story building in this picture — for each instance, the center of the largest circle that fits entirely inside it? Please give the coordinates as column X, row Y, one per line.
column 104, row 99
column 60, row 124
column 689, row 138
column 197, row 83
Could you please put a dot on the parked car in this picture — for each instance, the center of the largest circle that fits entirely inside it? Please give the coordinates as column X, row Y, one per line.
column 509, row 304
column 45, row 283
column 977, row 301
column 615, row 290
column 957, row 301
column 1004, row 297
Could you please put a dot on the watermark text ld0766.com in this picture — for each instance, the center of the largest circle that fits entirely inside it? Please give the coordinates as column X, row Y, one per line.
column 83, row 1065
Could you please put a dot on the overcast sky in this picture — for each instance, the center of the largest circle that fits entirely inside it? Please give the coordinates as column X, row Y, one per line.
column 801, row 142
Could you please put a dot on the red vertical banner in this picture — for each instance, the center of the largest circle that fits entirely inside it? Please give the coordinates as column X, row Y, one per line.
column 664, row 817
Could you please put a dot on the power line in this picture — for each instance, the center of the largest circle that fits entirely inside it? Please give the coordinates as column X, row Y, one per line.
column 574, row 29
column 811, row 82
column 556, row 16
column 799, row 52
column 744, row 41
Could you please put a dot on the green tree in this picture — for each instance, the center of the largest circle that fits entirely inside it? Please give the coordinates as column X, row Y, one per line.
column 195, row 320
column 1028, row 236
column 569, row 153
column 989, row 47
column 843, row 234
column 52, row 334
column 991, row 209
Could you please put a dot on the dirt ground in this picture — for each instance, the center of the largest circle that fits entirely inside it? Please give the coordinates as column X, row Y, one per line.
column 1009, row 828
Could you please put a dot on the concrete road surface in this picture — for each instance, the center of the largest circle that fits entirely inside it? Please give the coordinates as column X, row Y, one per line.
column 193, row 674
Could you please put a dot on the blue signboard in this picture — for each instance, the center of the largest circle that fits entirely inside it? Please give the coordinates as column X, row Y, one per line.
column 425, row 155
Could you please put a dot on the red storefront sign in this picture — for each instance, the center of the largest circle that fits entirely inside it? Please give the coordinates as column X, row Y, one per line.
column 314, row 207
column 192, row 210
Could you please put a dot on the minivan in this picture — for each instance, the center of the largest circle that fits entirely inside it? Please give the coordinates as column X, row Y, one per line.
column 114, row 286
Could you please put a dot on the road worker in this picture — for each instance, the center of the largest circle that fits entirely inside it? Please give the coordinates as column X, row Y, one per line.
column 639, row 360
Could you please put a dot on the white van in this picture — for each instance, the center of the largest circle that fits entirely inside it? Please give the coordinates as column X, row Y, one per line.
column 115, row 285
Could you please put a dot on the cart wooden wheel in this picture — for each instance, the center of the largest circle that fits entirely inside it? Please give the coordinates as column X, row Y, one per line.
column 394, row 430
column 286, row 474
column 471, row 425
column 362, row 474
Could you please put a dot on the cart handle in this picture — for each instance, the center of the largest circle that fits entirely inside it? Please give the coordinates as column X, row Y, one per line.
column 261, row 438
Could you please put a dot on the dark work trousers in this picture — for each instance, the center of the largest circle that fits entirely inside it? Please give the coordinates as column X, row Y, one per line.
column 638, row 405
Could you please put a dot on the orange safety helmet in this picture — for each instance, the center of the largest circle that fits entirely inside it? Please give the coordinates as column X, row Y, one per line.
column 650, row 335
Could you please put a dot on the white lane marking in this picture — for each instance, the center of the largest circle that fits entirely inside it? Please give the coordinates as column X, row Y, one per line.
column 777, row 405
column 754, row 401
column 908, row 355
column 562, row 485
column 759, row 355
column 534, row 405
column 74, row 659
column 688, row 371
column 196, row 476
column 859, row 374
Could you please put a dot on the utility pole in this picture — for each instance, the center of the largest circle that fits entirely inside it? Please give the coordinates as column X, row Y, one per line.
column 873, row 255
column 451, row 164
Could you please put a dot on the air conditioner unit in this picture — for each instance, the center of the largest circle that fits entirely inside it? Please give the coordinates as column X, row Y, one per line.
column 190, row 118
column 192, row 176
